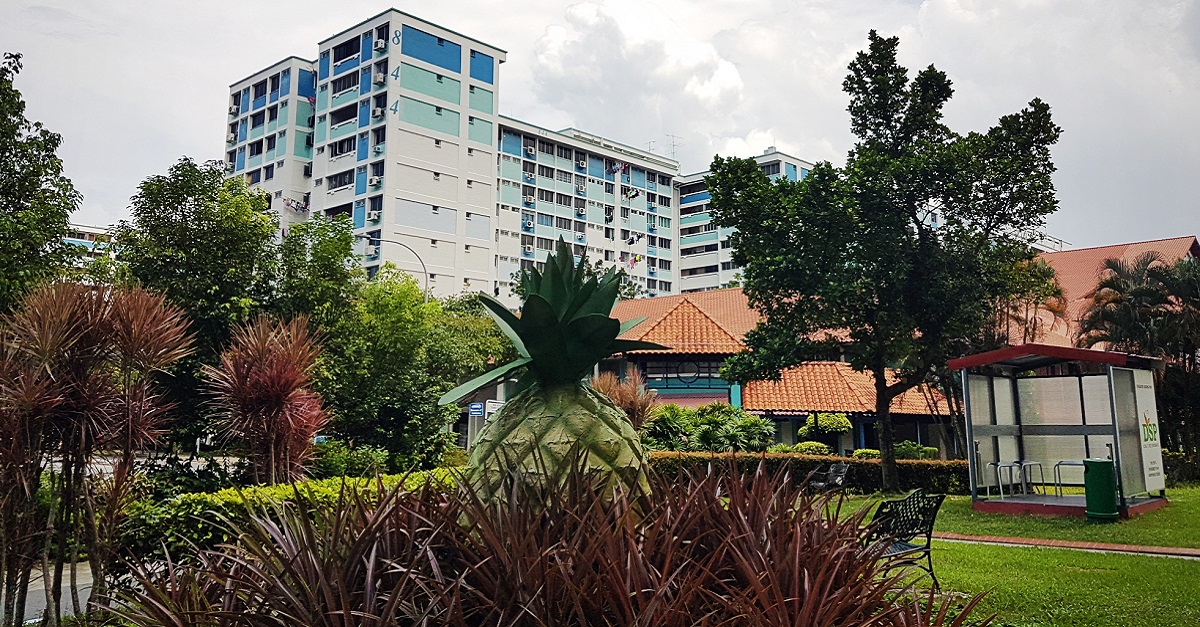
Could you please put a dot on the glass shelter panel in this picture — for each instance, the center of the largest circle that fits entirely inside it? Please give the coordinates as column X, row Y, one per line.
column 1128, row 432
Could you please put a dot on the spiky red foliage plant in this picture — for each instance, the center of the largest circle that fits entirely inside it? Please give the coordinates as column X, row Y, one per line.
column 261, row 389
column 629, row 393
column 717, row 548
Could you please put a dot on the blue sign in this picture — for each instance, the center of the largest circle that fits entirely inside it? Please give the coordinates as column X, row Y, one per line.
column 475, row 410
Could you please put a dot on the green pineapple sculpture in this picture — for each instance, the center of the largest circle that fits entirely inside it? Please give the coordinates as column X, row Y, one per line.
column 554, row 419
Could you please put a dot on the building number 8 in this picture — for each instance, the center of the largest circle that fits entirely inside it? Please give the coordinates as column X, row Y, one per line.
column 396, row 38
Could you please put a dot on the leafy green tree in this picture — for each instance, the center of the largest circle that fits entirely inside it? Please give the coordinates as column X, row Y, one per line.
column 36, row 199
column 319, row 273
column 1126, row 308
column 897, row 257
column 208, row 244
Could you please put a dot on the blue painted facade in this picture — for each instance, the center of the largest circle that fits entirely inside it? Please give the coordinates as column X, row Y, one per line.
column 285, row 83
column 789, row 170
column 359, row 215
column 241, row 159
column 323, row 65
column 511, row 143
column 365, row 51
column 345, row 65
column 419, row 44
column 360, row 180
column 306, row 85
column 364, row 113
column 364, row 81
column 482, row 67
column 693, row 198
column 362, row 147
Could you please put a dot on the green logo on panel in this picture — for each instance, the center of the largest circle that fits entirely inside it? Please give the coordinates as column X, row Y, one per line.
column 1149, row 429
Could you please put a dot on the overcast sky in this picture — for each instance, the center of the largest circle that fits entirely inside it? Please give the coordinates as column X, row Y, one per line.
column 132, row 86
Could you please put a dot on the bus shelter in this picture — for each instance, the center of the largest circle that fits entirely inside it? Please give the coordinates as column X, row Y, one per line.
column 1035, row 412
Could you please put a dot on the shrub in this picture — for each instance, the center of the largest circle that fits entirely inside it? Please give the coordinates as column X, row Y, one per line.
column 454, row 457
column 866, row 453
column 779, row 448
column 1181, row 467
column 812, row 448
column 713, row 547
column 668, row 428
column 934, row 476
column 823, row 424
column 716, row 427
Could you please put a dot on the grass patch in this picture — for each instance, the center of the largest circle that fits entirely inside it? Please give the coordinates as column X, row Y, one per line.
column 1177, row 524
column 1039, row 587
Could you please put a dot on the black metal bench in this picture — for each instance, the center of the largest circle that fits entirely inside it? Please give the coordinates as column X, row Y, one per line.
column 906, row 525
column 832, row 479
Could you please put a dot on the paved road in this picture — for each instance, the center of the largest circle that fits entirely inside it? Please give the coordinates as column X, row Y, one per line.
column 35, row 603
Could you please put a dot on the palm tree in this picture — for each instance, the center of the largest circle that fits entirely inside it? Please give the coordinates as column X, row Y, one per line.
column 1126, row 311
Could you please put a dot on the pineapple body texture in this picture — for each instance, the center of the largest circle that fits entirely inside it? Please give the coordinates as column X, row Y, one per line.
column 543, row 433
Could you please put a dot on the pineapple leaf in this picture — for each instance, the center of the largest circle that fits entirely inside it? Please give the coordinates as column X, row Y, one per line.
column 455, row 395
column 507, row 322
column 588, row 339
column 622, row 346
column 545, row 339
column 629, row 324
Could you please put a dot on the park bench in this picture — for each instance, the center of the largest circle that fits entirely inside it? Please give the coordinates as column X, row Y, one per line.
column 832, row 479
column 906, row 525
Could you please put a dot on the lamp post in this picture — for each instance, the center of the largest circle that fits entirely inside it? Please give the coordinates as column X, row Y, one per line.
column 406, row 247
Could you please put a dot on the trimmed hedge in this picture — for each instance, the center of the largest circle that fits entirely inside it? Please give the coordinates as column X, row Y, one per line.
column 194, row 519
column 934, row 476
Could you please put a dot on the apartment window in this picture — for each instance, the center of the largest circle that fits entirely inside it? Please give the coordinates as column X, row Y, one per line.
column 381, row 67
column 545, row 171
column 771, row 169
column 341, row 179
column 664, row 201
column 545, row 219
column 664, row 222
column 625, row 212
column 381, row 31
column 545, row 195
column 272, row 113
column 544, row 243
column 377, row 168
column 564, row 177
column 346, row 49
column 698, row 250
column 664, row 264
column 580, row 226
column 269, row 172
column 651, row 284
column 724, row 244
column 379, row 101
column 608, row 188
column 562, row 199
column 664, row 242
column 271, row 143
column 580, row 179
column 564, row 152
column 698, row 271
column 610, row 255
column 663, row 179
column 609, row 233
column 687, row 211
column 231, row 157
column 693, row 188
column 729, row 265
column 526, row 240
column 344, row 82
column 254, row 177
column 379, row 135
column 625, row 234
column 580, row 156
column 255, row 148
column 375, row 203
column 341, row 147
column 260, row 90
column 545, row 147
column 344, row 114
column 563, row 223
column 664, row 286
column 257, row 119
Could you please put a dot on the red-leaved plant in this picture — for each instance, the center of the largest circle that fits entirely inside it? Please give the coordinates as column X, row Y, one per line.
column 716, row 548
column 261, row 389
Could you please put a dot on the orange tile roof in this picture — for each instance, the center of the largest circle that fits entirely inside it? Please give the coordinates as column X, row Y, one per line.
column 834, row 387
column 1078, row 271
column 712, row 322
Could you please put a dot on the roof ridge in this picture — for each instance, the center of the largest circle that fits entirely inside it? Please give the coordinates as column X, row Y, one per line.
column 1148, row 241
column 688, row 301
column 714, row 319
column 654, row 322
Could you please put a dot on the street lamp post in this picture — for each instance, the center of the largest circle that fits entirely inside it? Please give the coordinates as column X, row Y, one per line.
column 409, row 249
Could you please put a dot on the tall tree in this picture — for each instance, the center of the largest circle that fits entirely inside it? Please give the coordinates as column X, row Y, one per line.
column 901, row 254
column 209, row 245
column 1125, row 312
column 319, row 273
column 36, row 199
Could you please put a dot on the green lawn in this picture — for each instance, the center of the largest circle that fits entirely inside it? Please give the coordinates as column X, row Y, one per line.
column 1177, row 524
column 1037, row 587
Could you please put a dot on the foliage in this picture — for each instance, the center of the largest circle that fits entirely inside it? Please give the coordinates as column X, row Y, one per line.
column 895, row 258
column 334, row 458
column 319, row 274
column 629, row 393
column 208, row 244
column 78, row 374
column 714, row 548
column 36, row 198
column 932, row 476
column 812, row 448
column 169, row 476
column 629, row 288
column 823, row 424
column 908, row 449
column 563, row 331
column 454, row 457
column 866, row 453
column 1181, row 467
column 716, row 427
column 261, row 388
column 1035, row 304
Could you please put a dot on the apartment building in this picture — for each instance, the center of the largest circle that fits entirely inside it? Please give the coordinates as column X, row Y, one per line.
column 613, row 202
column 269, row 136
column 94, row 240
column 705, row 259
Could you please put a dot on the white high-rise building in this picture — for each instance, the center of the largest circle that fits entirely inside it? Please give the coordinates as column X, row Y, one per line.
column 705, row 259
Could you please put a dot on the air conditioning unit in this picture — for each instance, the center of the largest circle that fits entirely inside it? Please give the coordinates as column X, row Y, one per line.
column 529, row 200
column 378, row 149
column 529, row 248
column 308, row 170
column 231, row 138
column 375, row 181
column 377, row 112
column 530, row 150
column 579, row 237
column 581, row 188
column 230, row 167
column 583, row 163
column 529, row 224
column 233, row 110
column 380, row 45
column 371, row 251
column 651, row 227
column 529, row 177
column 649, row 205
column 380, row 78
column 374, row 215
column 581, row 211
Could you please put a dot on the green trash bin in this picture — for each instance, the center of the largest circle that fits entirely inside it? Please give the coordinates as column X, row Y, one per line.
column 1100, row 490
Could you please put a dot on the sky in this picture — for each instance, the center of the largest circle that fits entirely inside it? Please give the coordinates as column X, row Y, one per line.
column 134, row 85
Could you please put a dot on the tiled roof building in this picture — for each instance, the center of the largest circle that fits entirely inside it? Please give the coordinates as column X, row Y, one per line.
column 1079, row 271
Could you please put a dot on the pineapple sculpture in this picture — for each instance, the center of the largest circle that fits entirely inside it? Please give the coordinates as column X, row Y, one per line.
column 554, row 419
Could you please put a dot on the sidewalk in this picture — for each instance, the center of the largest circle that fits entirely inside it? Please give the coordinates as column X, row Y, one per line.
column 1164, row 551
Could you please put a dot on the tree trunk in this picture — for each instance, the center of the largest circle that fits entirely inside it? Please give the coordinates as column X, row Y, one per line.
column 887, row 431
